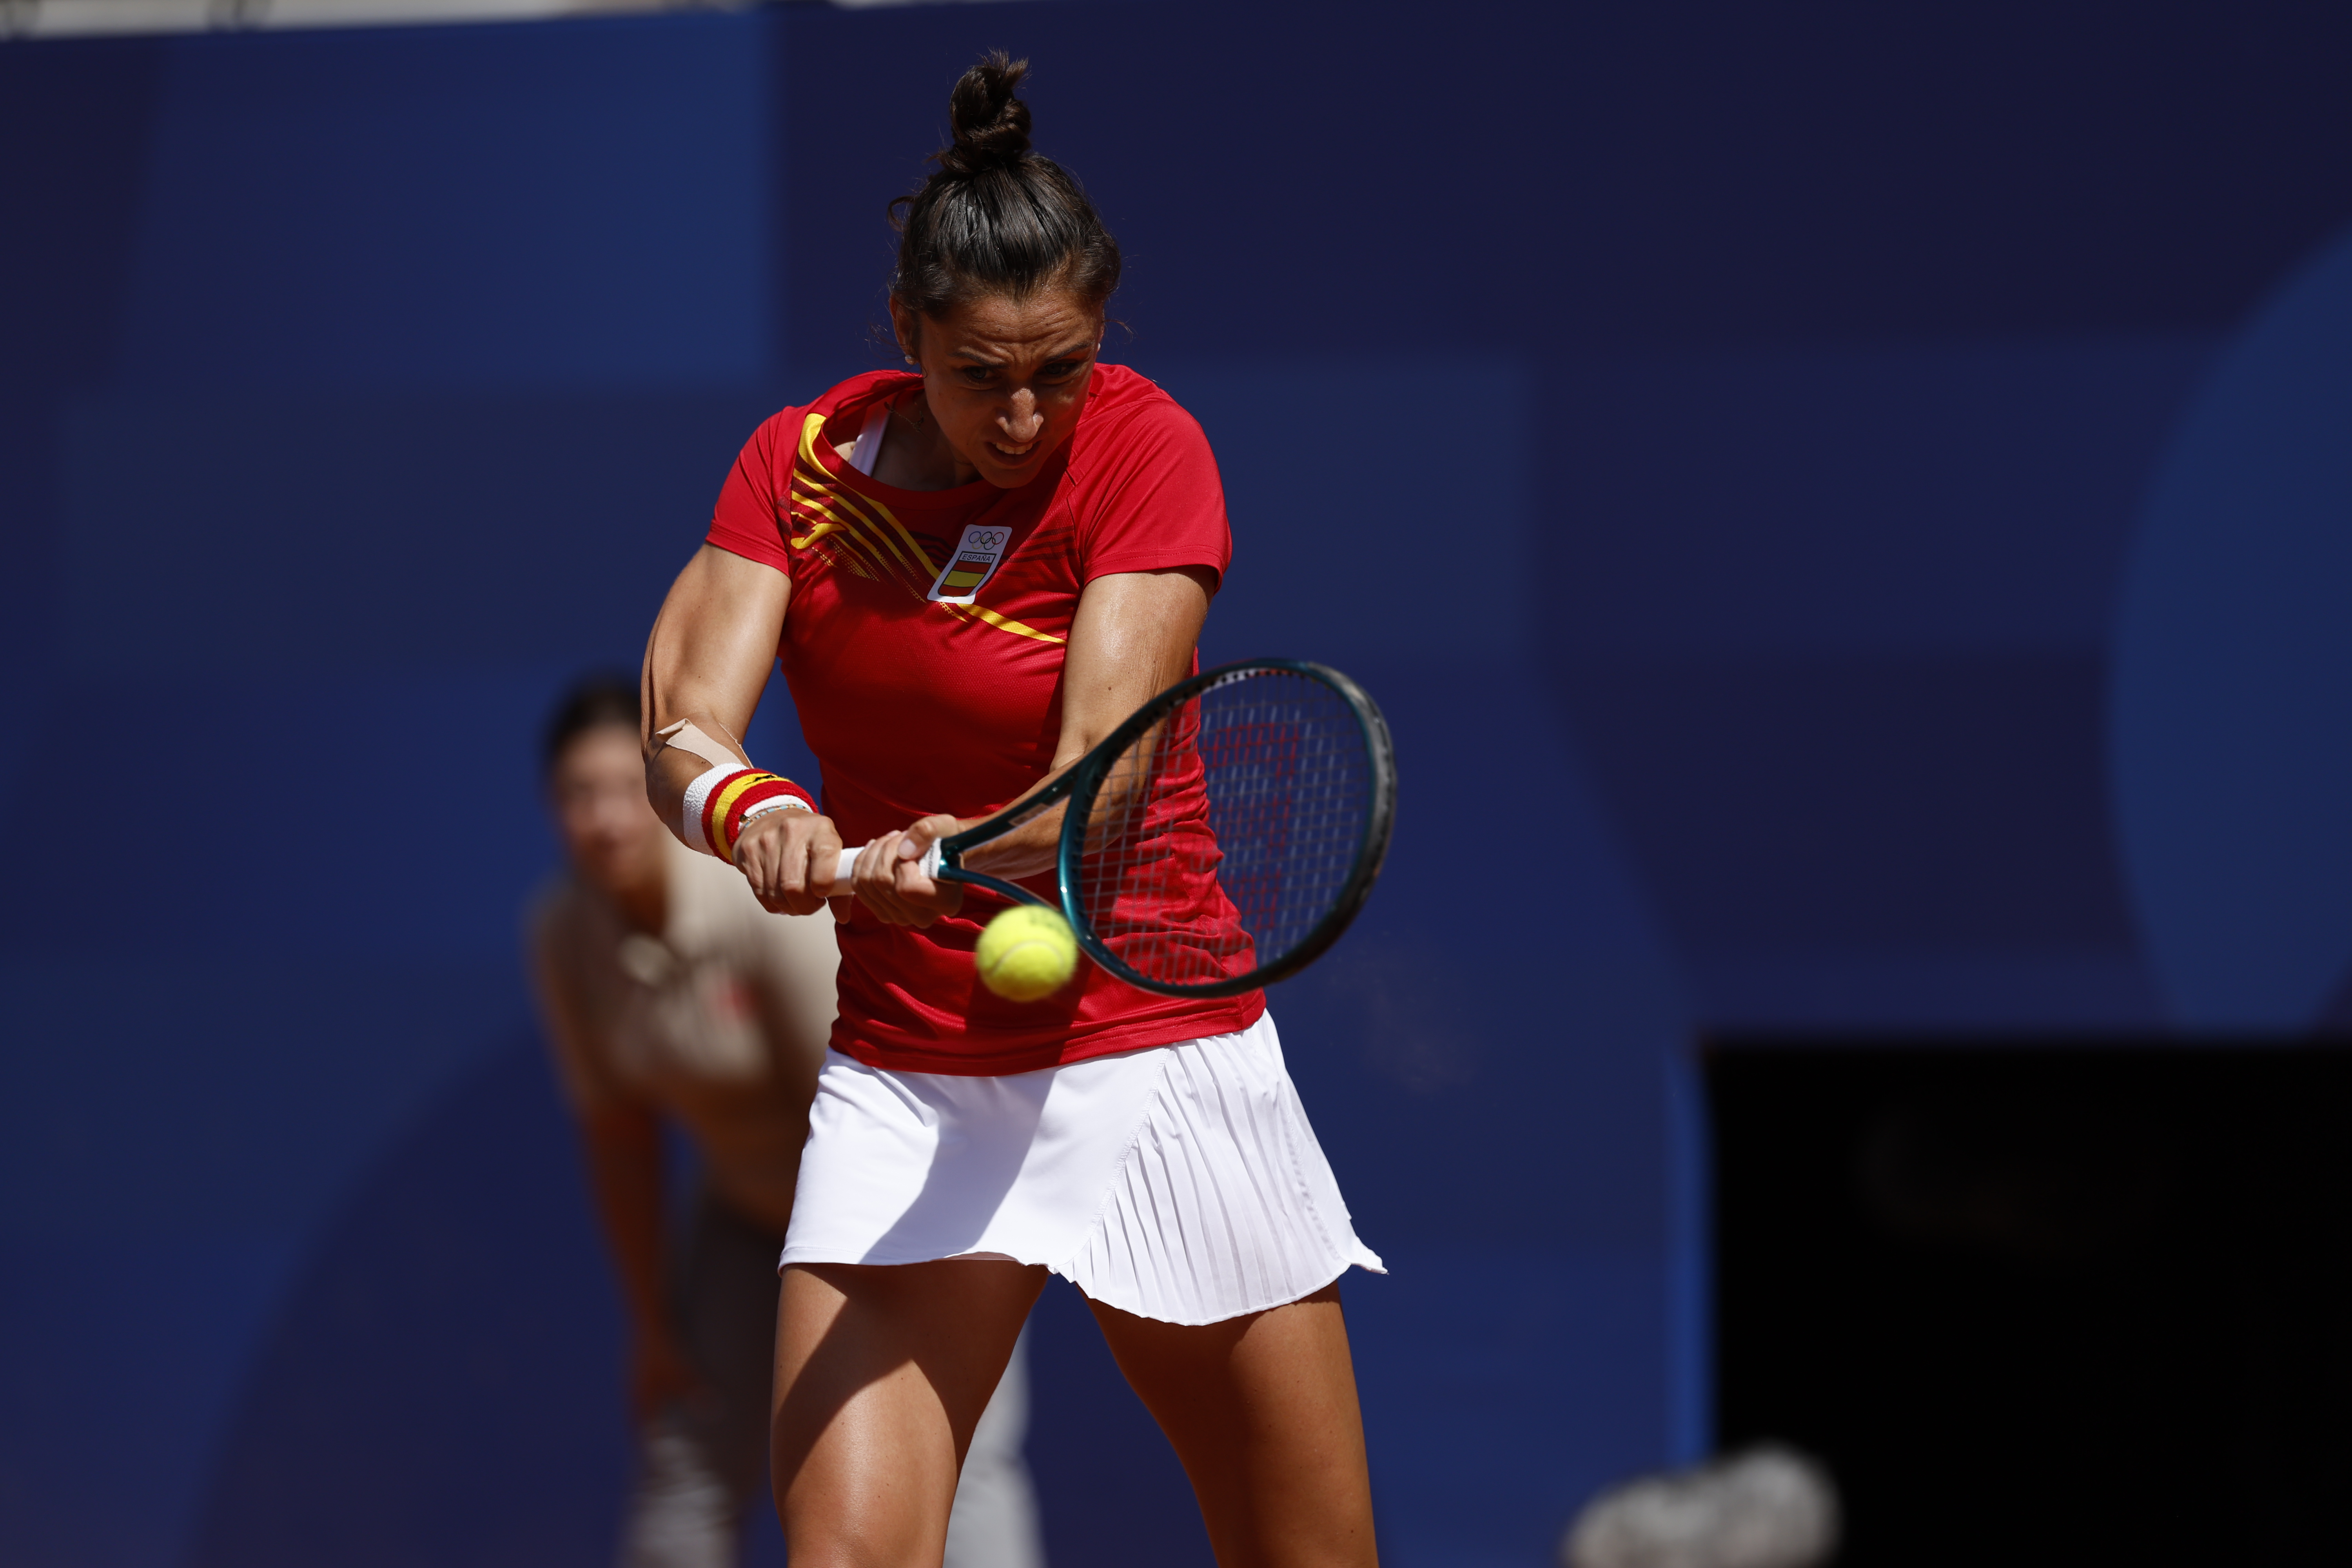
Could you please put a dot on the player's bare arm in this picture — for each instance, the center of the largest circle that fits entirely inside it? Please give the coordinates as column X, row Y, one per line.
column 1133, row 635
column 706, row 664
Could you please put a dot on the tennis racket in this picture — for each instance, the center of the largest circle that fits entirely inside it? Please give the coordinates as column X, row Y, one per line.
column 1221, row 839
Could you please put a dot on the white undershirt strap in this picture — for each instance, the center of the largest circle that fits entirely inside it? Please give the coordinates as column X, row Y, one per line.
column 869, row 449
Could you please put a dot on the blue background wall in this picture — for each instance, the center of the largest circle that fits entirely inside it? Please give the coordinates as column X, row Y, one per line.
column 1860, row 494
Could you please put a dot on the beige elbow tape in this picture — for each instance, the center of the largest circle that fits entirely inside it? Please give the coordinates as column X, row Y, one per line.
column 687, row 738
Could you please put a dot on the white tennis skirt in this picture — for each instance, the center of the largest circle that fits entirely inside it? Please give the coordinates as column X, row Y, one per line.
column 1180, row 1183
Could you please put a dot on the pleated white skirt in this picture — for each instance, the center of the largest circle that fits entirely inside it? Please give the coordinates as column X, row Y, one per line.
column 1180, row 1183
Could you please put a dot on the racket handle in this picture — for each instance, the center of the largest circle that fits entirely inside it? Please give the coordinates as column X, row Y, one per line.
column 847, row 867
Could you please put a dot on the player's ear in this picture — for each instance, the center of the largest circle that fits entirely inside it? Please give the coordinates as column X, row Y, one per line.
column 908, row 328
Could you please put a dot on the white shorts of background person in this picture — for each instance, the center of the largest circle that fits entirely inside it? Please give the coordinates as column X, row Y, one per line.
column 1180, row 1183
column 702, row 1463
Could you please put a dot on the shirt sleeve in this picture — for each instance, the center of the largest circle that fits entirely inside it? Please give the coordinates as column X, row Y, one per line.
column 750, row 518
column 1151, row 500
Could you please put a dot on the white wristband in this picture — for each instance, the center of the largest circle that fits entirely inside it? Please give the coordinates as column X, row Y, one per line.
column 697, row 796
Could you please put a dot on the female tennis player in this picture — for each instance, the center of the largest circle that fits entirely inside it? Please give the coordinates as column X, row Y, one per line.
column 972, row 571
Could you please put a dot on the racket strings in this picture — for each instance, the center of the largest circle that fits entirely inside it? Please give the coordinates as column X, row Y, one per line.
column 1224, row 837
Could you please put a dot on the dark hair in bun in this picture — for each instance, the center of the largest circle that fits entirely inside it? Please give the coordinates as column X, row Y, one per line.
column 995, row 217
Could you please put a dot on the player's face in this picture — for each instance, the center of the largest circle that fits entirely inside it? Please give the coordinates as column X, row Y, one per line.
column 1005, row 378
column 598, row 790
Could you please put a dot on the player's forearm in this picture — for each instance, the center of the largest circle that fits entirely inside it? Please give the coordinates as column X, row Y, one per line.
column 1133, row 638
column 1029, row 850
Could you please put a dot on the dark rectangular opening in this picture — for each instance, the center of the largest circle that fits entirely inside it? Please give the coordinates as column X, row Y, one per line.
column 2064, row 1304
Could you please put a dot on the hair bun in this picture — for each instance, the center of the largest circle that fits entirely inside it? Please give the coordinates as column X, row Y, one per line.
column 993, row 217
column 991, row 126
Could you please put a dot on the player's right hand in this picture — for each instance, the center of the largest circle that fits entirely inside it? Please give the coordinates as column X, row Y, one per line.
column 785, row 855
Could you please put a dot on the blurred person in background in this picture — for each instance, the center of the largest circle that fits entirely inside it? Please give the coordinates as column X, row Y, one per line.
column 669, row 994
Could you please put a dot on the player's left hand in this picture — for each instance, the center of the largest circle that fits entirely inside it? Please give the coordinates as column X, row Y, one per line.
column 891, row 880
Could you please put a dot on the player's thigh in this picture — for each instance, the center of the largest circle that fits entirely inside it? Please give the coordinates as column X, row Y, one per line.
column 881, row 1375
column 1261, row 1411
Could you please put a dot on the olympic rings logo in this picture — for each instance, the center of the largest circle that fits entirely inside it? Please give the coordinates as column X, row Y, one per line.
column 986, row 538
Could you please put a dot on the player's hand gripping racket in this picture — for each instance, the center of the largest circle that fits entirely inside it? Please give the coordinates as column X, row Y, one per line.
column 1218, row 840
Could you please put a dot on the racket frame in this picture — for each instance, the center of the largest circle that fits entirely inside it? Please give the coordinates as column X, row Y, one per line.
column 1083, row 781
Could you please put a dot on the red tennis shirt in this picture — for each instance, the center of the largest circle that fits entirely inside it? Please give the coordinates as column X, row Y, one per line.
column 924, row 651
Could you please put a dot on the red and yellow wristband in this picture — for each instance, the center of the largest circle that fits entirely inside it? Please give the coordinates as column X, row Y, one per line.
column 718, row 802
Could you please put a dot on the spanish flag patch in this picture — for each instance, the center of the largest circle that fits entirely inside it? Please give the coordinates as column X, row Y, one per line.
column 971, row 563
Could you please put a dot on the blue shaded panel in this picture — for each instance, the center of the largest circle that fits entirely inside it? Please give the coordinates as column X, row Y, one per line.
column 30, row 546
column 458, row 207
column 1503, row 1386
column 1830, row 624
column 444, row 1384
column 359, row 836
column 1890, row 803
column 235, row 1093
column 386, row 532
column 77, row 119
column 1625, row 176
column 1963, row 497
column 120, row 1354
column 2232, row 745
column 1348, row 543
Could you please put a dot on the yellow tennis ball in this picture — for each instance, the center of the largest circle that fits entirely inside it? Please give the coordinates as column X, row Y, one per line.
column 1027, row 952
